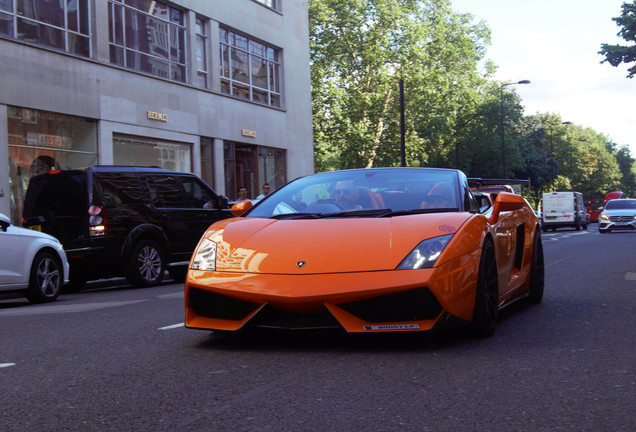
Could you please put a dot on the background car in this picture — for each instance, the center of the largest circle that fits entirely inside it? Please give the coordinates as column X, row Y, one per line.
column 618, row 214
column 374, row 250
column 127, row 221
column 31, row 262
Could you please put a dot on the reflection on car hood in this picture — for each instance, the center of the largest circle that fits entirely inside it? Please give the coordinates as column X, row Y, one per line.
column 324, row 245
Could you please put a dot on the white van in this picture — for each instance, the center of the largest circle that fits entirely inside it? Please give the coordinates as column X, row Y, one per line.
column 563, row 209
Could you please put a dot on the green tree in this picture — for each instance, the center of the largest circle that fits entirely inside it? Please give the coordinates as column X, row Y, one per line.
column 617, row 54
column 360, row 49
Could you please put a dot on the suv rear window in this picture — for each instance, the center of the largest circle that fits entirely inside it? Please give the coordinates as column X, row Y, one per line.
column 59, row 194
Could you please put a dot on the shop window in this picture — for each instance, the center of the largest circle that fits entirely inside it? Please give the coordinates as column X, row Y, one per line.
column 271, row 167
column 139, row 151
column 63, row 25
column 41, row 141
column 207, row 160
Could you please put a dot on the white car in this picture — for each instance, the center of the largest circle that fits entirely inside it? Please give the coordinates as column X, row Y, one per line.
column 32, row 262
column 618, row 214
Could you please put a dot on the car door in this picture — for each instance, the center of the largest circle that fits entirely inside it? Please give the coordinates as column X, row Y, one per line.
column 185, row 207
column 12, row 259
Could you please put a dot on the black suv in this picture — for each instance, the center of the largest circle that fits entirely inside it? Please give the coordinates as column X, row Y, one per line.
column 114, row 221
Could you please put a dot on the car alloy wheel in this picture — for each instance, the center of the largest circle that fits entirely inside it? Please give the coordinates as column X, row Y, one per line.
column 45, row 281
column 146, row 264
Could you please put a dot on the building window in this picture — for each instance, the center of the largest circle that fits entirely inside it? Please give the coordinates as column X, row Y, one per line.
column 249, row 69
column 274, row 4
column 61, row 24
column 148, row 36
column 202, row 58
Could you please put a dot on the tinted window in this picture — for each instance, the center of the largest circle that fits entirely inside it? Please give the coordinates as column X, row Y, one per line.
column 165, row 192
column 56, row 195
column 196, row 194
column 119, row 188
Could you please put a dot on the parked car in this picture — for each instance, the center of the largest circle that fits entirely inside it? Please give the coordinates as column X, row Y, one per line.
column 618, row 214
column 563, row 209
column 31, row 262
column 375, row 250
column 123, row 221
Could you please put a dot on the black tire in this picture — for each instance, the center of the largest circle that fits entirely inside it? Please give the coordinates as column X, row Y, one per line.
column 602, row 231
column 537, row 271
column 486, row 311
column 146, row 265
column 45, row 279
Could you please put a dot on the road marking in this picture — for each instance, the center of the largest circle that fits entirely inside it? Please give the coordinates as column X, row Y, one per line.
column 61, row 307
column 178, row 294
column 170, row 327
column 4, row 365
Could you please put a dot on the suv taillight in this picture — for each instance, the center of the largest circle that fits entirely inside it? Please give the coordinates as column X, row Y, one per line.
column 97, row 225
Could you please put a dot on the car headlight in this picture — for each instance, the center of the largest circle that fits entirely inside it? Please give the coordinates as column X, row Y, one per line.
column 604, row 217
column 205, row 256
column 425, row 254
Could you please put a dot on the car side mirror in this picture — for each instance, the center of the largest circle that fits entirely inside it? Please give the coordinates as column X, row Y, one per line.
column 4, row 222
column 506, row 201
column 241, row 207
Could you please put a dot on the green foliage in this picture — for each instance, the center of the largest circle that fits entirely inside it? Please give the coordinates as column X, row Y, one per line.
column 618, row 54
column 361, row 49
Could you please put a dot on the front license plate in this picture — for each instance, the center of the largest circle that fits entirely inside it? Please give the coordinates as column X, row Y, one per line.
column 392, row 327
column 36, row 227
column 621, row 223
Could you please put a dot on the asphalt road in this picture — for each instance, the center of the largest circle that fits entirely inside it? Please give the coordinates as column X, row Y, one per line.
column 118, row 359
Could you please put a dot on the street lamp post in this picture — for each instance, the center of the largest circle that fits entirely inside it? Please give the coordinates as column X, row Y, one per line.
column 503, row 141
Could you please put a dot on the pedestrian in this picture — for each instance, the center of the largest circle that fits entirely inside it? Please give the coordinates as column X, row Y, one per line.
column 266, row 190
column 242, row 195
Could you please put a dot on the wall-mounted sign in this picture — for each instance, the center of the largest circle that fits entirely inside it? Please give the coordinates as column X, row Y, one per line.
column 248, row 133
column 152, row 115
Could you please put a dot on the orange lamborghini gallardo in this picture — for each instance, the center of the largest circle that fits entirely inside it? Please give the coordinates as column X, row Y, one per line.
column 367, row 250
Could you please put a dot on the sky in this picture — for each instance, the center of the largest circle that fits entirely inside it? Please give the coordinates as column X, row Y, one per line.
column 555, row 44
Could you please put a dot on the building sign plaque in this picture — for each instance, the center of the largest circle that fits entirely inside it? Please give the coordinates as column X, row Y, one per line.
column 248, row 133
column 152, row 115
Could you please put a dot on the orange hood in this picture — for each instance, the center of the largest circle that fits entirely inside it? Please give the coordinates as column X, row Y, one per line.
column 324, row 245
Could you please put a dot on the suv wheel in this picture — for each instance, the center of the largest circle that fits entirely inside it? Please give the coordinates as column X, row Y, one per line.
column 146, row 265
column 45, row 280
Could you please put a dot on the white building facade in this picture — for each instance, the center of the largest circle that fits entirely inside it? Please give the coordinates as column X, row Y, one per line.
column 220, row 88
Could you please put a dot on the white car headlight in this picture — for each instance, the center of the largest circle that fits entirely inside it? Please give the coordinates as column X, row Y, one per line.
column 425, row 254
column 205, row 256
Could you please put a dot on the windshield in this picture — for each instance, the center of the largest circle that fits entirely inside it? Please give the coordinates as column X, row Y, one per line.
column 621, row 204
column 375, row 192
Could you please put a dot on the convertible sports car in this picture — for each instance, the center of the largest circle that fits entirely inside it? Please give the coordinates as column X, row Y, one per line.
column 367, row 250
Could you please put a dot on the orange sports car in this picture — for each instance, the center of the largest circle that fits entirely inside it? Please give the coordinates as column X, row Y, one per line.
column 367, row 250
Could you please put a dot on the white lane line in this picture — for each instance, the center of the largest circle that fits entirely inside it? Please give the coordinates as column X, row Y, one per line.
column 170, row 327
column 5, row 365
column 62, row 307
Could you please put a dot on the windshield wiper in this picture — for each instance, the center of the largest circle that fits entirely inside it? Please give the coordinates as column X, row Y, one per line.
column 357, row 213
column 296, row 216
column 419, row 211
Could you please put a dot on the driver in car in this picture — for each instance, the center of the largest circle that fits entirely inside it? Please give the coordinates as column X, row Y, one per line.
column 346, row 195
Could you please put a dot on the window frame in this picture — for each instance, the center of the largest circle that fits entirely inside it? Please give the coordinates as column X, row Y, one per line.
column 233, row 44
column 122, row 16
